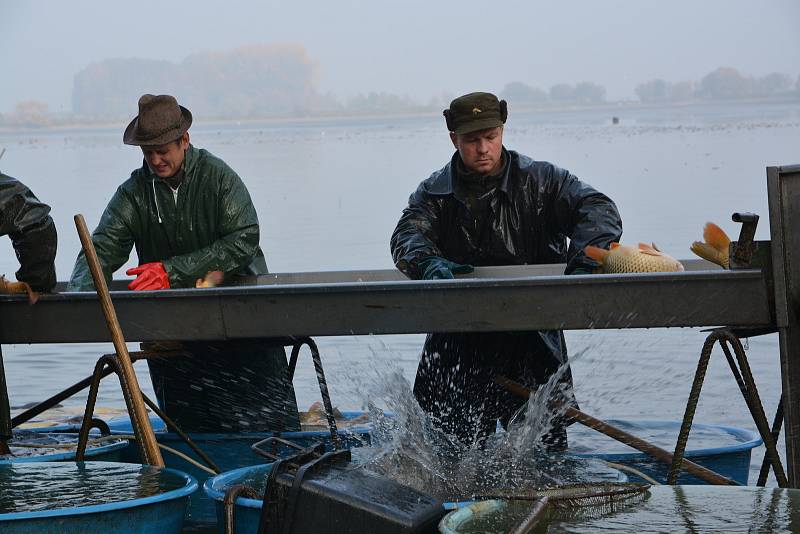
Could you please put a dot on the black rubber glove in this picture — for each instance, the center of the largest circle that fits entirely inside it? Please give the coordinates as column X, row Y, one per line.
column 436, row 268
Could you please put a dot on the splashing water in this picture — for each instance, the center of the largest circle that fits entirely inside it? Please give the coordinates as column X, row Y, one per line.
column 410, row 447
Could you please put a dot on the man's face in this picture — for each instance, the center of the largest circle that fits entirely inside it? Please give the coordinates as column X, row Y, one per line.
column 481, row 151
column 166, row 160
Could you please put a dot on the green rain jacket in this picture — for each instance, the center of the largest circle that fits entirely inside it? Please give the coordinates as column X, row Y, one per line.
column 212, row 226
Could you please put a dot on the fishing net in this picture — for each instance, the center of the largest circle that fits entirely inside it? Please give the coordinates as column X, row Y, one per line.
column 527, row 510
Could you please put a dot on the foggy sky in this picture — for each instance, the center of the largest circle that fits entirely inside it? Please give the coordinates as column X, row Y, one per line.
column 419, row 48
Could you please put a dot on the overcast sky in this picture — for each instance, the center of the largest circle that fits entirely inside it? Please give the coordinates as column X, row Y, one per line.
column 416, row 47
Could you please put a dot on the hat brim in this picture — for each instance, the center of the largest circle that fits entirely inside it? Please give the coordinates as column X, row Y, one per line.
column 481, row 124
column 132, row 137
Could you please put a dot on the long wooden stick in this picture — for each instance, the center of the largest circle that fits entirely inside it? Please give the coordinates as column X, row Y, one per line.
column 130, row 385
column 630, row 440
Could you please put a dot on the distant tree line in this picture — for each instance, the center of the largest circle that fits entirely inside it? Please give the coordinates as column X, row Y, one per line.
column 252, row 81
column 263, row 81
column 722, row 83
column 582, row 93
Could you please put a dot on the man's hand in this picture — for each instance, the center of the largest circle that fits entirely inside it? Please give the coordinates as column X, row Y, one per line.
column 149, row 276
column 436, row 268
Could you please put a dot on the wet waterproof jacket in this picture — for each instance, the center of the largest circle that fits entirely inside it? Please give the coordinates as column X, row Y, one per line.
column 212, row 226
column 526, row 219
column 27, row 221
column 536, row 207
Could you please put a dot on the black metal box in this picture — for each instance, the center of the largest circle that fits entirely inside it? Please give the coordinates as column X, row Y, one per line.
column 347, row 499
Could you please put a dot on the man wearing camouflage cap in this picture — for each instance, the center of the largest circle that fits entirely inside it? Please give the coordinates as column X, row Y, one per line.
column 493, row 206
column 188, row 213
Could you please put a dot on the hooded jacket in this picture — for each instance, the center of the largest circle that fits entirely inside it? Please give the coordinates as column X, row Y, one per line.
column 212, row 225
column 27, row 221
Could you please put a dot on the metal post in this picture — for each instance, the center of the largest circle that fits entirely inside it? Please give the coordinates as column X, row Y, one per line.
column 5, row 410
column 783, row 187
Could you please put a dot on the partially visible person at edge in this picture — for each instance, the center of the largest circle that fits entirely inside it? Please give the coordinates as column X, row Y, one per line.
column 26, row 220
column 492, row 206
column 188, row 213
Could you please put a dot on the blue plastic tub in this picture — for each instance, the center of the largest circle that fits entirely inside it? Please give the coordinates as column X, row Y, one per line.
column 732, row 460
column 120, row 424
column 110, row 452
column 231, row 451
column 160, row 513
column 248, row 511
column 461, row 517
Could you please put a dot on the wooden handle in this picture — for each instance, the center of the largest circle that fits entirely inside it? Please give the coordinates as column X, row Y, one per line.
column 130, row 385
column 630, row 440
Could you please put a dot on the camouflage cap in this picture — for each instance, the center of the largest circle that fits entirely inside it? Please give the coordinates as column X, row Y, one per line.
column 475, row 111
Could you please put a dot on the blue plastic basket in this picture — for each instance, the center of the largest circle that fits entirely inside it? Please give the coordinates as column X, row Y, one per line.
column 158, row 514
column 732, row 461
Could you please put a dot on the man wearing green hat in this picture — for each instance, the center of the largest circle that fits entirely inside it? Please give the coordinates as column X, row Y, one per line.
column 493, row 206
column 188, row 213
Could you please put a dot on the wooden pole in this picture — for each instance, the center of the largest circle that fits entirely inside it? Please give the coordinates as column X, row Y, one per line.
column 130, row 385
column 630, row 440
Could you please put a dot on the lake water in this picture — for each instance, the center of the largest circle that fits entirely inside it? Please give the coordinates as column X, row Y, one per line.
column 329, row 194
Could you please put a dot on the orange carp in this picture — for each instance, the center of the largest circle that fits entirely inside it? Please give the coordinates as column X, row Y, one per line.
column 714, row 246
column 626, row 259
column 18, row 287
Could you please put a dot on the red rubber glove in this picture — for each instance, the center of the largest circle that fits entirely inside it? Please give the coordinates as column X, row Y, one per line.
column 149, row 276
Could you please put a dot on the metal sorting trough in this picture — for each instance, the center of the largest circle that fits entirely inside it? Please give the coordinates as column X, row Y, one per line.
column 491, row 299
column 384, row 302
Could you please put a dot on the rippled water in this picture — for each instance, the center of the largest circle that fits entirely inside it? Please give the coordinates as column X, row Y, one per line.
column 36, row 487
column 329, row 193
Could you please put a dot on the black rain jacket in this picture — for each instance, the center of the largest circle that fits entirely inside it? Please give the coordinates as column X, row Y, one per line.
column 531, row 214
column 26, row 220
column 534, row 210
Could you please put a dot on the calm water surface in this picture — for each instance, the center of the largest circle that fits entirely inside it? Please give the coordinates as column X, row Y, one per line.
column 329, row 194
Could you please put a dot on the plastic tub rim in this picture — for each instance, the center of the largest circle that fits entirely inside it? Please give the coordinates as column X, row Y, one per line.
column 189, row 487
column 753, row 440
column 61, row 456
column 217, row 495
column 119, row 427
column 456, row 518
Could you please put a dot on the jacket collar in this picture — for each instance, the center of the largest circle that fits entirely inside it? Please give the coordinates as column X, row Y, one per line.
column 442, row 182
